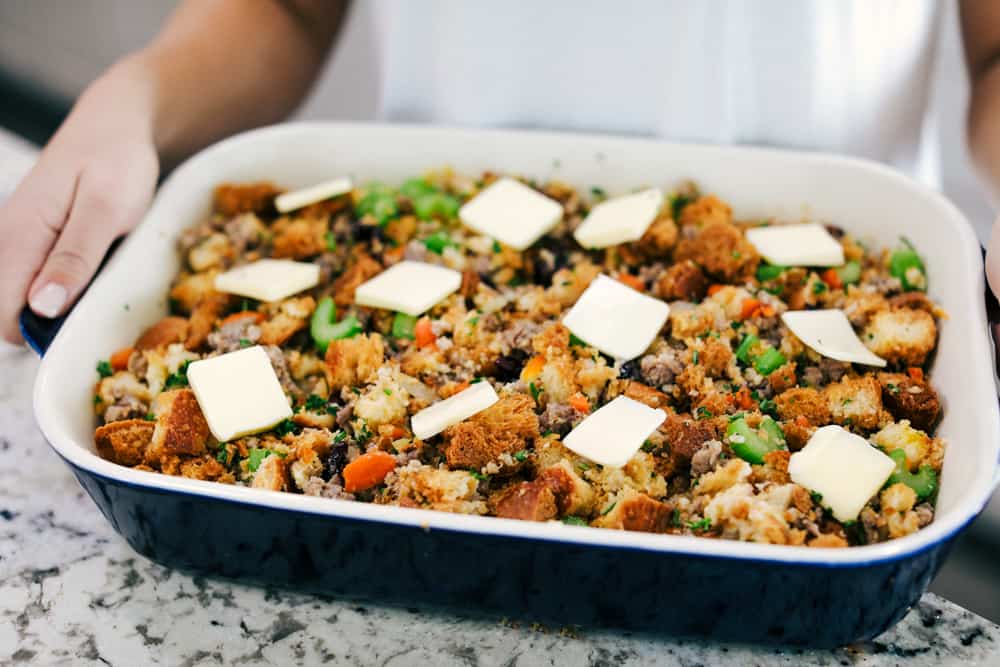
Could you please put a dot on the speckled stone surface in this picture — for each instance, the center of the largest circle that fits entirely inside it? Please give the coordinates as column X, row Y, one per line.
column 72, row 592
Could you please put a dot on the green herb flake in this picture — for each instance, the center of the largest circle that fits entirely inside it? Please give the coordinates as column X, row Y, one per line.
column 339, row 437
column 286, row 426
column 648, row 446
column 256, row 457
column 245, row 342
column 816, row 497
column 387, row 392
column 675, row 518
column 496, row 246
column 609, row 508
column 535, row 391
column 694, row 357
column 104, row 369
column 97, row 399
column 315, row 403
column 150, row 417
column 819, row 287
column 598, row 192
column 222, row 456
column 178, row 379
column 521, row 456
column 700, row 526
column 703, row 413
column 331, row 241
column 583, row 465
column 573, row 521
column 576, row 342
column 479, row 476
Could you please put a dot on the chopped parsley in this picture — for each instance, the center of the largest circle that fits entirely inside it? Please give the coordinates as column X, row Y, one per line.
column 675, row 518
column 245, row 342
column 256, row 457
column 702, row 413
column 769, row 407
column 104, row 369
column 286, row 426
column 893, row 388
column 178, row 379
column 677, row 204
column 315, row 403
column 576, row 342
column 479, row 476
column 150, row 417
column 573, row 521
column 648, row 446
column 496, row 246
column 97, row 399
column 819, row 287
column 331, row 241
column 700, row 526
column 694, row 357
column 535, row 391
column 816, row 497
column 387, row 392
column 364, row 434
column 521, row 455
column 339, row 437
column 222, row 456
column 609, row 508
column 582, row 465
column 598, row 192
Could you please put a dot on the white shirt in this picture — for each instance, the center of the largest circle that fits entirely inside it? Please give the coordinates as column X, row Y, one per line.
column 847, row 76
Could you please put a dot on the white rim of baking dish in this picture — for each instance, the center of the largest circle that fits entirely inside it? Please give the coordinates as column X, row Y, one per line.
column 79, row 455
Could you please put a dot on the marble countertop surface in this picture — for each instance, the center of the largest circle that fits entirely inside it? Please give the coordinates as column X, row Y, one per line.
column 73, row 592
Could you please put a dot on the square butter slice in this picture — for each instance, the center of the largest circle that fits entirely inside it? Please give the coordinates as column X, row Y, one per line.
column 312, row 194
column 843, row 468
column 511, row 213
column 619, row 220
column 614, row 433
column 239, row 393
column 806, row 244
column 408, row 287
column 268, row 279
column 433, row 419
column 616, row 319
column 830, row 333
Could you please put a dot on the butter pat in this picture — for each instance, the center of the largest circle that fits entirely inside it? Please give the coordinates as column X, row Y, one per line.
column 314, row 193
column 408, row 287
column 843, row 468
column 807, row 244
column 432, row 420
column 619, row 220
column 614, row 433
column 616, row 319
column 829, row 333
column 511, row 213
column 239, row 393
column 268, row 279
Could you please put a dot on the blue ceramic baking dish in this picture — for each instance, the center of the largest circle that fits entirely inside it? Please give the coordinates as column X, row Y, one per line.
column 548, row 572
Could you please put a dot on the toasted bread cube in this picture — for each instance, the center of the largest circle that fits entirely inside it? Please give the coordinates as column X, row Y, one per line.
column 233, row 198
column 632, row 510
column 353, row 361
column 915, row 444
column 292, row 316
column 573, row 494
column 363, row 268
column 907, row 398
column 165, row 332
column 901, row 335
column 434, row 488
column 124, row 442
column 805, row 402
column 721, row 251
column 527, row 501
column 503, row 428
column 855, row 401
column 272, row 474
column 181, row 428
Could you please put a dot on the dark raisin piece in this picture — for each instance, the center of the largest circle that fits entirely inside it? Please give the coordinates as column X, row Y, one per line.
column 509, row 366
column 630, row 370
column 335, row 462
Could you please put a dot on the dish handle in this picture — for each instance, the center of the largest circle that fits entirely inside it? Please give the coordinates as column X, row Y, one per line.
column 993, row 321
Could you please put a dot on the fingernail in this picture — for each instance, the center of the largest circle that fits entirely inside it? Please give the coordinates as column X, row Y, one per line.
column 49, row 300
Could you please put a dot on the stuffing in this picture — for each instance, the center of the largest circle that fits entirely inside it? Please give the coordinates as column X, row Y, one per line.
column 424, row 486
column 124, row 442
column 803, row 402
column 721, row 251
column 660, row 238
column 715, row 357
column 205, row 468
column 189, row 290
column 168, row 330
column 353, row 361
column 551, row 341
column 385, row 401
column 569, row 284
column 828, row 541
column 782, row 379
column 291, row 317
column 558, row 378
column 401, row 230
column 706, row 210
column 685, row 436
column 860, row 304
column 688, row 321
column 855, row 402
column 682, row 281
column 213, row 252
column 593, row 376
column 272, row 474
column 910, row 399
column 231, row 199
column 506, row 427
column 638, row 391
column 739, row 513
column 900, row 435
column 121, row 385
column 181, row 429
column 901, row 335
column 364, row 268
column 299, row 238
column 574, row 496
column 631, row 510
column 526, row 501
column 733, row 472
column 203, row 318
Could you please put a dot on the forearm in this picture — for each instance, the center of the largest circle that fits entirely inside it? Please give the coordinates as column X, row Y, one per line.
column 984, row 127
column 222, row 66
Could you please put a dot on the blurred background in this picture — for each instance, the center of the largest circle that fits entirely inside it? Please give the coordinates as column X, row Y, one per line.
column 51, row 49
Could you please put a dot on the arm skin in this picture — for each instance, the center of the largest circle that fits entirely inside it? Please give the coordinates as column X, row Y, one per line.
column 217, row 67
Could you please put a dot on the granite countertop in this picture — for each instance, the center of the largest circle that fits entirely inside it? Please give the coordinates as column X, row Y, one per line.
column 72, row 591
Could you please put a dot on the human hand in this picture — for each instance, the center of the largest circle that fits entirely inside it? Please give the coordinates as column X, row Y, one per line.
column 92, row 183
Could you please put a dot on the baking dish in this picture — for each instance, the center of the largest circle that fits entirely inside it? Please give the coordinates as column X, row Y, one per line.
column 550, row 572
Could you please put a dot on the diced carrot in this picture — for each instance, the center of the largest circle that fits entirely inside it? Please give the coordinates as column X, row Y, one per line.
column 393, row 255
column 423, row 333
column 119, row 360
column 915, row 372
column 713, row 289
column 832, row 278
column 743, row 398
column 768, row 311
column 236, row 317
column 631, row 281
column 579, row 403
column 367, row 470
column 749, row 308
column 398, row 432
column 802, row 421
column 533, row 368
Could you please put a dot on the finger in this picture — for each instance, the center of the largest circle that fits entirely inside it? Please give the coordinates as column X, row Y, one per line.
column 30, row 220
column 101, row 212
column 993, row 259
